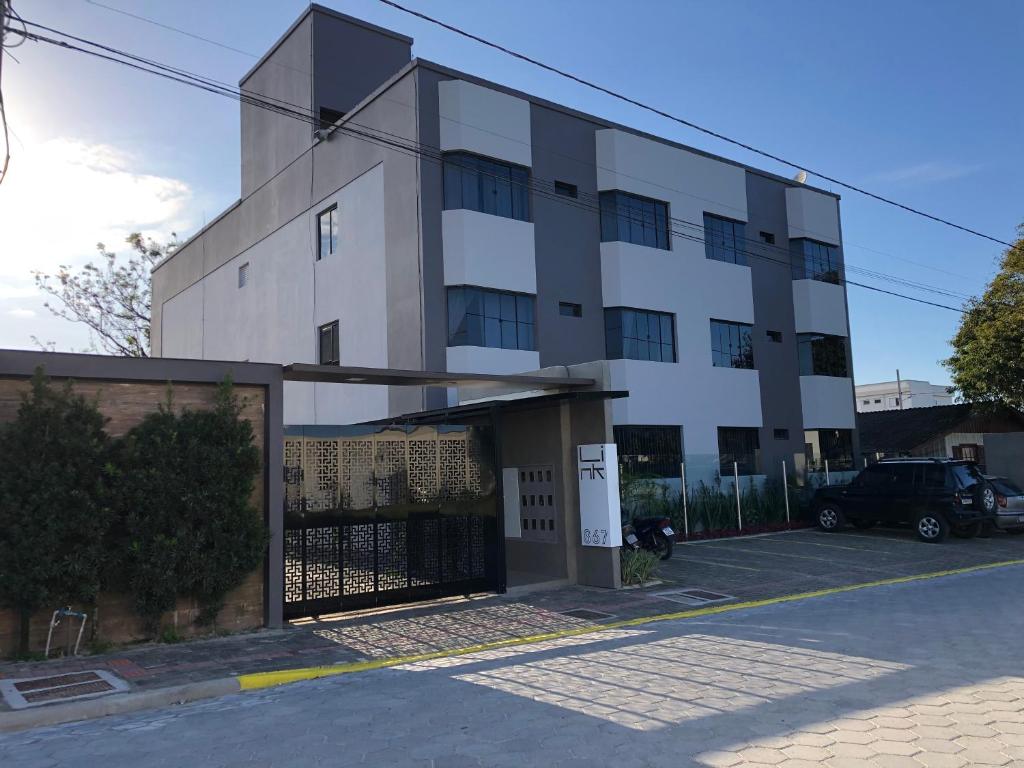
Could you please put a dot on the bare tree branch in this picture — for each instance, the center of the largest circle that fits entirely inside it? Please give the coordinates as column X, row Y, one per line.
column 112, row 298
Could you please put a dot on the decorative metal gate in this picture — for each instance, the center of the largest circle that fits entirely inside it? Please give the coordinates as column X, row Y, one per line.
column 378, row 515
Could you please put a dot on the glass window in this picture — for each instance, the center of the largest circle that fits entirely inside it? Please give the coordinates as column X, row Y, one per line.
column 821, row 355
column 636, row 334
column 569, row 309
column 731, row 345
column 490, row 186
column 740, row 445
column 566, row 189
column 724, row 240
column 329, row 345
column 634, row 219
column 481, row 317
column 812, row 260
column 243, row 275
column 327, row 224
column 832, row 445
column 967, row 475
column 649, row 451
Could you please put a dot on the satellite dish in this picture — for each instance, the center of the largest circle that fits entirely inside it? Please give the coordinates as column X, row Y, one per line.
column 801, row 177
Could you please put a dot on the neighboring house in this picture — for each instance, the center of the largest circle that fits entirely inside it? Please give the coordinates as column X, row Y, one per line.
column 953, row 431
column 887, row 395
column 438, row 221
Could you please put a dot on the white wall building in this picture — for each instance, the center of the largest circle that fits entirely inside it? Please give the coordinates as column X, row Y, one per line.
column 914, row 393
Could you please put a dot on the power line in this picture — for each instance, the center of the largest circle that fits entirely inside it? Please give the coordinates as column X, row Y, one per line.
column 683, row 121
column 848, row 265
column 406, row 146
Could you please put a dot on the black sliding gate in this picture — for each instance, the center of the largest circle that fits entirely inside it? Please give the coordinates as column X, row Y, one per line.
column 380, row 515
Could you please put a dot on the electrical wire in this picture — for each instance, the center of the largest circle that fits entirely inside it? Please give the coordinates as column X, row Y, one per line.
column 405, row 146
column 848, row 265
column 687, row 123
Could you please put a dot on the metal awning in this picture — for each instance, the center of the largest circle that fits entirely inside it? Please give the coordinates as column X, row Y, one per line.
column 487, row 407
column 341, row 374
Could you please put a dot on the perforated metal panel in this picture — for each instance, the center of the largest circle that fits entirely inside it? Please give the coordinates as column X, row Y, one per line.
column 387, row 515
column 538, row 503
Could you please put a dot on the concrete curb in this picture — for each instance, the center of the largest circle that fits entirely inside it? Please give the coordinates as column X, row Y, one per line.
column 118, row 704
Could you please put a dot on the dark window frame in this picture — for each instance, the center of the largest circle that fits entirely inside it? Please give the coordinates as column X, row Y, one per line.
column 565, row 189
column 331, row 212
column 630, row 218
column 649, row 451
column 822, row 354
column 780, row 433
column 767, row 237
column 725, row 239
column 333, row 345
column 474, row 182
column 486, row 317
column 742, row 445
column 732, row 344
column 628, row 335
column 815, row 260
column 570, row 309
column 836, row 445
column 774, row 336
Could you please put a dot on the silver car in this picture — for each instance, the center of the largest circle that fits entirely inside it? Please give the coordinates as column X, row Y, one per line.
column 1010, row 504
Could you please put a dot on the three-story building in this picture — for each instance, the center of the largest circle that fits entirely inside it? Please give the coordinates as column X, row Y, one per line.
column 431, row 220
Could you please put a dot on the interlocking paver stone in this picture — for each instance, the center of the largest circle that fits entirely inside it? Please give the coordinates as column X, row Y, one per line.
column 833, row 681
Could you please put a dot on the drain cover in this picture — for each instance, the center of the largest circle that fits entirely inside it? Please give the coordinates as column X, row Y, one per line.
column 36, row 691
column 586, row 614
column 693, row 596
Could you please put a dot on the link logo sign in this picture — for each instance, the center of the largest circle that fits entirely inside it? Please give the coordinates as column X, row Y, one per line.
column 598, row 472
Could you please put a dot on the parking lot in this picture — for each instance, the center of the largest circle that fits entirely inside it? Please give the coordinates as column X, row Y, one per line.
column 805, row 560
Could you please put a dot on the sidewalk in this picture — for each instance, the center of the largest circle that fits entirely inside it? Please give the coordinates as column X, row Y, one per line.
column 456, row 624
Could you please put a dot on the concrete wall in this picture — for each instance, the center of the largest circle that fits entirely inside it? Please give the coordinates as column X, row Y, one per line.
column 484, row 121
column 325, row 59
column 372, row 284
column 812, row 214
column 771, row 282
column 683, row 281
column 550, row 435
column 1004, row 455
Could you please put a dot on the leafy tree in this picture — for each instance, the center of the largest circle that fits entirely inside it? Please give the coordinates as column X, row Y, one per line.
column 113, row 298
column 988, row 349
column 54, row 472
column 184, row 509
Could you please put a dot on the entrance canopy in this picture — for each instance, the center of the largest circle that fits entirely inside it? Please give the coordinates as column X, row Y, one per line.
column 340, row 374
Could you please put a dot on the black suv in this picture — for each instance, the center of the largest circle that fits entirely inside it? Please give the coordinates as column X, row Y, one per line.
column 936, row 496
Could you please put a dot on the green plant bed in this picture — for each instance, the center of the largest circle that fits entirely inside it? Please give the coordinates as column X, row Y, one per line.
column 638, row 566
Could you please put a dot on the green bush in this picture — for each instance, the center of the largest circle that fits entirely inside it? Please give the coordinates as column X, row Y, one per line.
column 184, row 515
column 638, row 565
column 54, row 473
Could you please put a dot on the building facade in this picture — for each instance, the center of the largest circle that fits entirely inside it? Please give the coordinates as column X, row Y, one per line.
column 905, row 393
column 435, row 221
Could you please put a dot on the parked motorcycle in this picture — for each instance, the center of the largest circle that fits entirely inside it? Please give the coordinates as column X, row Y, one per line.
column 654, row 534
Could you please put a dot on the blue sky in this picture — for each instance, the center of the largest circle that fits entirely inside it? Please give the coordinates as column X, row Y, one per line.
column 913, row 100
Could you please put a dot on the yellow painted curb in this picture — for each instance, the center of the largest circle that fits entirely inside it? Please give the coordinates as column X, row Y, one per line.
column 280, row 677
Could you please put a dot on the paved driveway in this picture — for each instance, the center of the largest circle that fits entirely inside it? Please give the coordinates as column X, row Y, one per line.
column 917, row 674
column 805, row 560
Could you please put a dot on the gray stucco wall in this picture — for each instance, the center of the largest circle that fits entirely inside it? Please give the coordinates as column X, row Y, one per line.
column 776, row 363
column 1004, row 455
column 325, row 59
column 567, row 236
column 269, row 141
